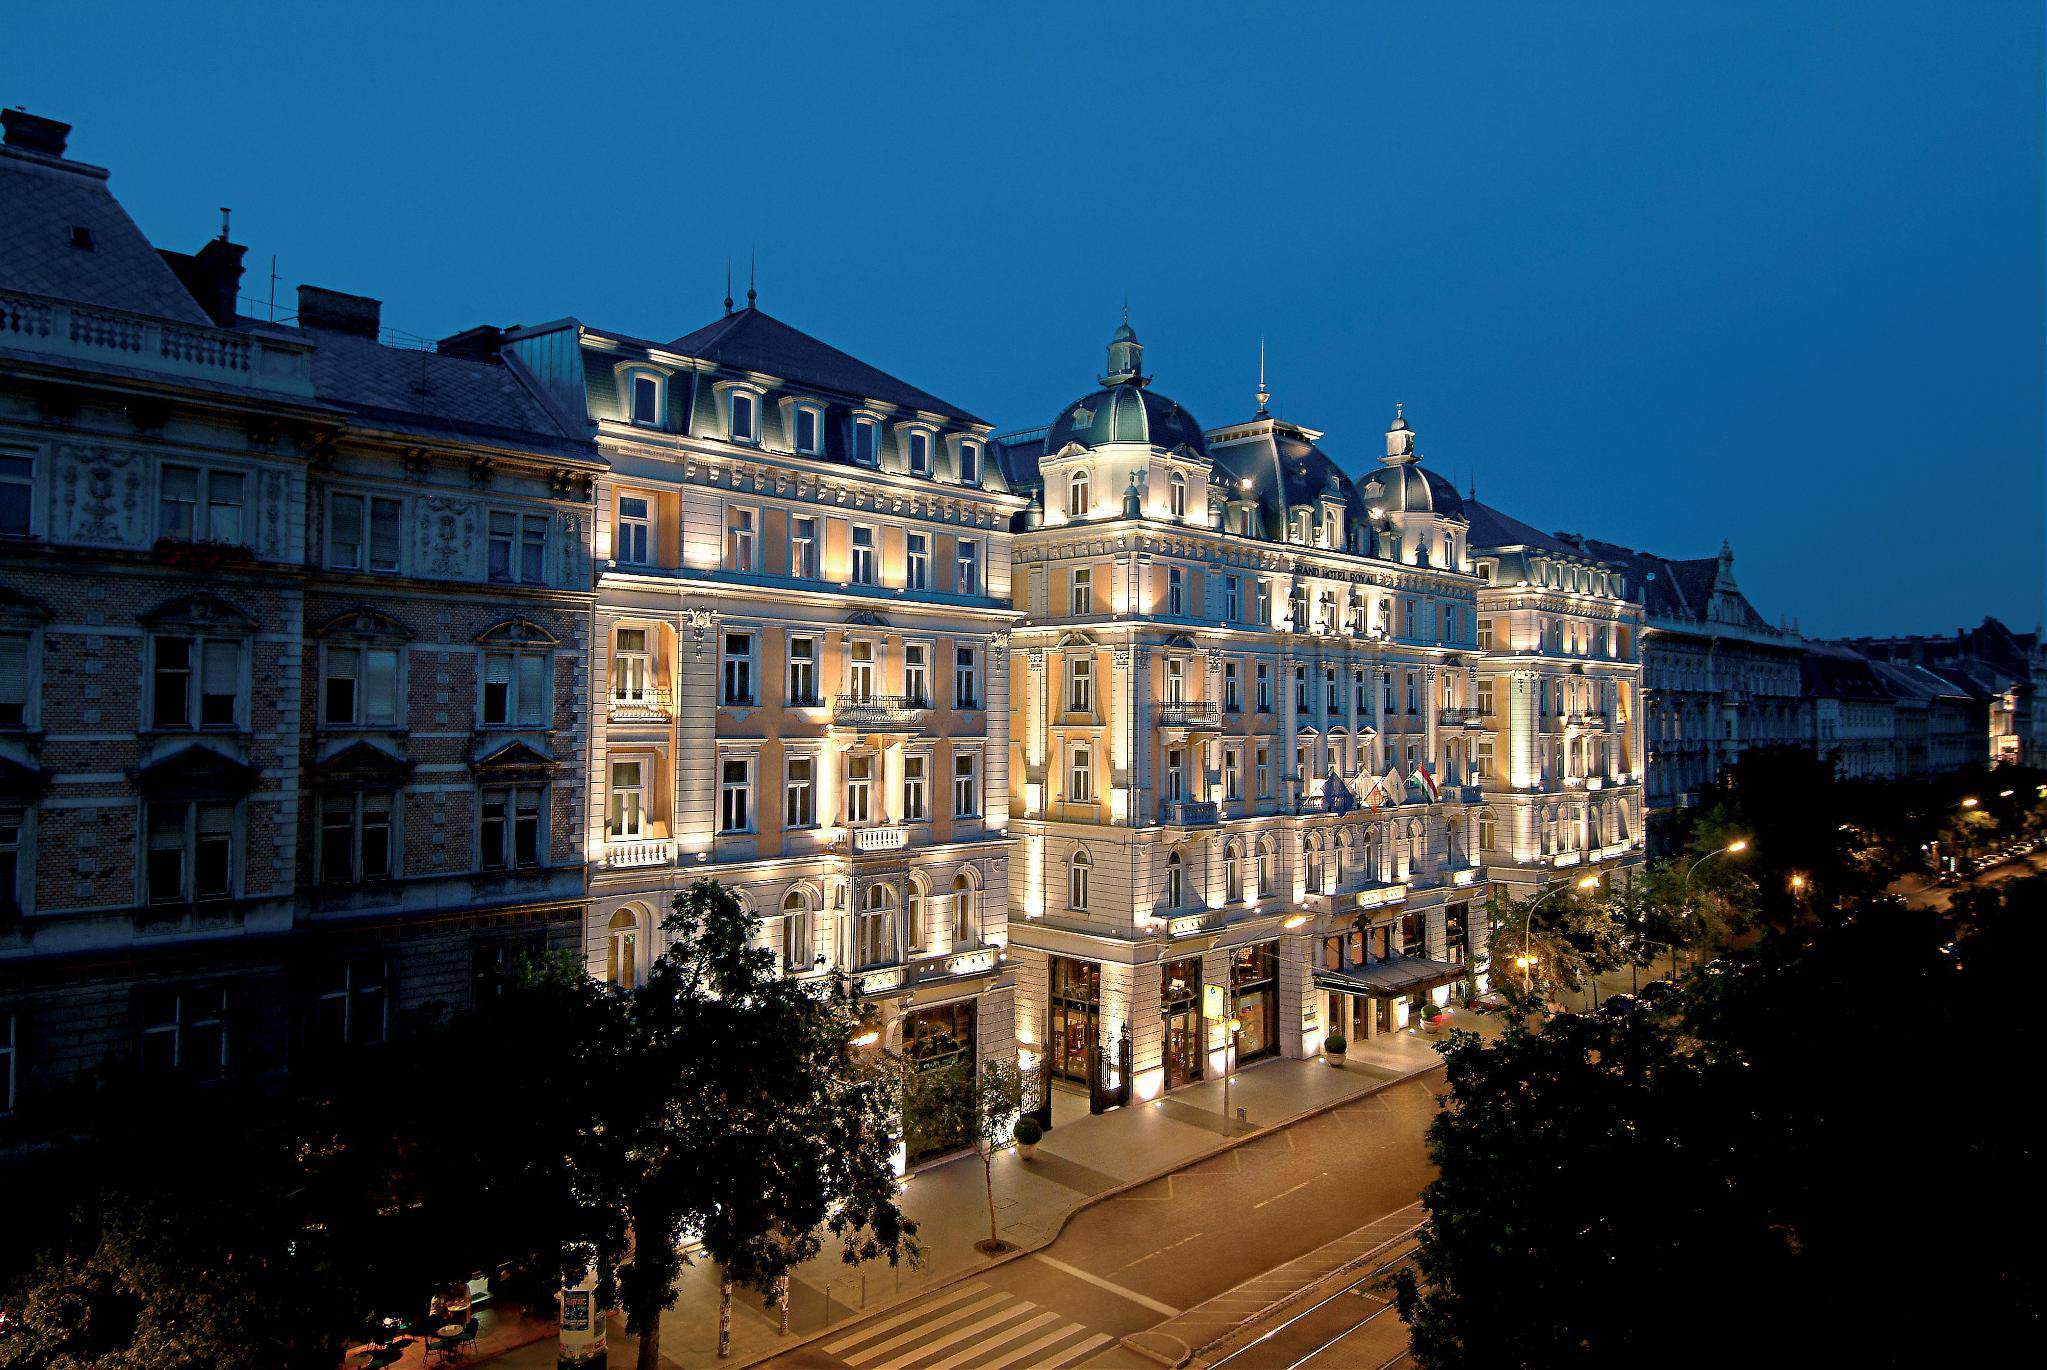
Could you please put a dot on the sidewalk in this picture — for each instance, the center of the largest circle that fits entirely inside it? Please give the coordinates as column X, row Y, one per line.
column 1080, row 1161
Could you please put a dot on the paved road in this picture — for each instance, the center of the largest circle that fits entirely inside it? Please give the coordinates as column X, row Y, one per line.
column 1347, row 1323
column 1938, row 896
column 1135, row 1260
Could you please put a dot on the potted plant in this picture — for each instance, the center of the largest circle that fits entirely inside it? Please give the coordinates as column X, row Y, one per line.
column 1028, row 1134
column 1333, row 1048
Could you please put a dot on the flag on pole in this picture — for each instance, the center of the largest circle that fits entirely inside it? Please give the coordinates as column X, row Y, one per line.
column 1396, row 788
column 1425, row 780
column 1336, row 796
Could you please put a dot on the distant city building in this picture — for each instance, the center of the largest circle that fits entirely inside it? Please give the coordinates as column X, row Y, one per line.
column 1996, row 668
column 1278, row 729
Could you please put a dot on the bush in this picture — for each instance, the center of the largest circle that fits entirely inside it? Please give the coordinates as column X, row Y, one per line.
column 1335, row 1045
column 1027, row 1131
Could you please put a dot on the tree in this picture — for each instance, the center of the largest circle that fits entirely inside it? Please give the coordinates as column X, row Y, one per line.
column 1601, row 1174
column 978, row 1106
column 1564, row 937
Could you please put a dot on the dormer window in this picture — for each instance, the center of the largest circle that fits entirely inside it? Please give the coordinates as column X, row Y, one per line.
column 741, row 414
column 809, row 431
column 1077, row 495
column 866, row 441
column 646, row 400
column 920, row 453
column 1177, row 489
column 970, row 463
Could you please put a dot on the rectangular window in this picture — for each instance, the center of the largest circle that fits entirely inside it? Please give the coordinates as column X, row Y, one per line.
column 533, row 548
column 635, row 530
column 803, row 548
column 1233, row 773
column 738, row 669
column 628, row 799
column 508, row 828
column 743, row 429
column 352, row 1005
column 806, row 431
column 1263, row 768
column 1485, row 758
column 860, row 788
column 915, row 805
column 1358, row 692
column 1082, row 595
column 17, row 510
column 516, row 690
column 1176, row 590
column 970, row 463
column 866, row 441
column 1485, row 635
column 195, row 682
column 8, row 1057
column 1080, row 684
column 190, row 852
column 803, row 671
column 184, row 1031
column 860, row 670
column 1080, row 774
column 968, row 582
column 517, row 547
column 735, row 794
column 966, row 789
column 1233, row 598
column 632, row 668
column 1301, row 689
column 200, row 504
column 1264, row 687
column 1176, row 681
column 920, row 454
column 966, row 685
column 1264, row 604
column 360, row 688
column 1233, row 700
column 646, row 401
column 14, row 711
column 917, row 561
column 1485, row 697
column 355, row 838
column 799, row 792
column 863, row 556
column 364, row 533
column 917, row 673
column 740, row 539
column 10, row 865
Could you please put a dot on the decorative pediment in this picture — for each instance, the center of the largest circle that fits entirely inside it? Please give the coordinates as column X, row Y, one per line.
column 202, row 611
column 362, row 763
column 19, row 611
column 866, row 618
column 1077, row 640
column 196, row 772
column 363, row 622
column 1181, row 641
column 1072, row 449
column 517, row 632
column 514, row 759
column 23, row 784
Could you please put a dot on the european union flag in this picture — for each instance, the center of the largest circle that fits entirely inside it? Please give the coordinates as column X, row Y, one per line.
column 1336, row 796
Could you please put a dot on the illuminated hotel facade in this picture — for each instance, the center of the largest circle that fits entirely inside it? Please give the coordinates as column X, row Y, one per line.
column 1277, row 730
column 799, row 674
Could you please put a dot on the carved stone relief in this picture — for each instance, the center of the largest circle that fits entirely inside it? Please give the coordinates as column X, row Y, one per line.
column 100, row 494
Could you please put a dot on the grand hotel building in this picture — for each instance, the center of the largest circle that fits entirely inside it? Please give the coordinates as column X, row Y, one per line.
column 1277, row 730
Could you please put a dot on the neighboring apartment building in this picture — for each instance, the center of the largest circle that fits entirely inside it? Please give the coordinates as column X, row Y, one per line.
column 800, row 664
column 255, row 798
column 1718, row 678
column 1995, row 667
column 1260, row 745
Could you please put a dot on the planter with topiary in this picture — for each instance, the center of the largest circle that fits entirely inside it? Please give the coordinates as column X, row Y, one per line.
column 1333, row 1049
column 1028, row 1134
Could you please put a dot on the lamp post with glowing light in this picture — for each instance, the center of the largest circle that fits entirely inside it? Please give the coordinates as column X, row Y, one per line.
column 1230, row 1028
column 1734, row 848
column 1525, row 960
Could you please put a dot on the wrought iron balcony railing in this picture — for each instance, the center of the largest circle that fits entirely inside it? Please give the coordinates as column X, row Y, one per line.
column 882, row 712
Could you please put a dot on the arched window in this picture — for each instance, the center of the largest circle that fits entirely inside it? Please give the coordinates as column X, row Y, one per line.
column 1339, row 856
column 1076, row 881
column 1233, row 874
column 964, row 914
column 797, row 945
column 871, row 946
column 919, row 914
column 1077, row 495
column 1177, row 489
column 1414, row 845
column 1311, row 863
column 1176, row 885
column 1264, row 877
column 1488, row 831
column 622, row 960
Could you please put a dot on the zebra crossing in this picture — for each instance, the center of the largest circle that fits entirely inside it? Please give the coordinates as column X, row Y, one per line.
column 969, row 1327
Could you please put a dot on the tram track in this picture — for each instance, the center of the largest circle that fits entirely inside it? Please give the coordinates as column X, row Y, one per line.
column 1309, row 1338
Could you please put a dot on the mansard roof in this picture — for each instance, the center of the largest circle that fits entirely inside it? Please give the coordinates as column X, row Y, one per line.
column 752, row 340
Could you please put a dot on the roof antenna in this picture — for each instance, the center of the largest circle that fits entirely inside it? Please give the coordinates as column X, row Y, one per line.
column 751, row 293
column 728, row 287
column 224, row 212
column 1264, row 395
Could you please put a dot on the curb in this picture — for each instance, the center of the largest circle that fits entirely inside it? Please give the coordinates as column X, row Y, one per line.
column 1059, row 1226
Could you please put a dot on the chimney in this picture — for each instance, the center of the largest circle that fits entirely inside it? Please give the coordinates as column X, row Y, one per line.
column 482, row 343
column 334, row 312
column 214, row 276
column 34, row 133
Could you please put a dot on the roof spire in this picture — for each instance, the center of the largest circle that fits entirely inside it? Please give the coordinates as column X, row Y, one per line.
column 751, row 293
column 728, row 286
column 1264, row 395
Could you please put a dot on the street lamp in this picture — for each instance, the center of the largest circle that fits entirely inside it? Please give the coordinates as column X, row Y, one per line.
column 1524, row 960
column 1231, row 1026
column 1734, row 848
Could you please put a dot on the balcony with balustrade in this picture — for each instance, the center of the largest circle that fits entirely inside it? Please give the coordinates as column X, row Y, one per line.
column 639, row 852
column 62, row 331
column 1460, row 718
column 879, row 713
column 1187, row 813
column 1197, row 715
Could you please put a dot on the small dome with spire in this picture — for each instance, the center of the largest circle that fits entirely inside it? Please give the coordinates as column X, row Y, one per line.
column 1125, row 409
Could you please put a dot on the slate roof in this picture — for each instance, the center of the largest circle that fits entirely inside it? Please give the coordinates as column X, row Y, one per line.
column 1676, row 589
column 750, row 340
column 1831, row 672
column 1906, row 680
column 1492, row 528
column 44, row 198
column 435, row 396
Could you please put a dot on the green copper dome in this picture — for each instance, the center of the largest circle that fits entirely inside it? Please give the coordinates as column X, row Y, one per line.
column 1125, row 409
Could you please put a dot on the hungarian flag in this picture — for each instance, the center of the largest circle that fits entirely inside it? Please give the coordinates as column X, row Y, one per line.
column 1425, row 780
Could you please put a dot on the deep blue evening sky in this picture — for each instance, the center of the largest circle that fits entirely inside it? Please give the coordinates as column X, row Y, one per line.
column 1659, row 273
